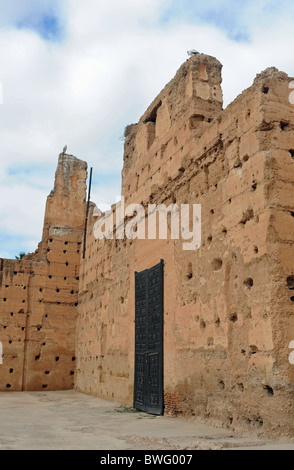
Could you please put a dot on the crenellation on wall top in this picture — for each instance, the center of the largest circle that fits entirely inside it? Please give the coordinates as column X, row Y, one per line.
column 272, row 73
column 190, row 82
column 190, row 101
column 65, row 206
column 68, row 166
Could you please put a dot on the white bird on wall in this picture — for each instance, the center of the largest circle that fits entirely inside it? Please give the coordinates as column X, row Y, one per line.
column 192, row 52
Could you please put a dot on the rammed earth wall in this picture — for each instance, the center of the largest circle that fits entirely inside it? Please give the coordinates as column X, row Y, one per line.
column 228, row 306
column 39, row 293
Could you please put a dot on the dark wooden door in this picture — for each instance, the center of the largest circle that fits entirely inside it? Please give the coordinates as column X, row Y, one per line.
column 148, row 386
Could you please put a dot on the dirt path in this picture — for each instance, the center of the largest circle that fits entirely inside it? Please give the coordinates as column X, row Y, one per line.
column 68, row 420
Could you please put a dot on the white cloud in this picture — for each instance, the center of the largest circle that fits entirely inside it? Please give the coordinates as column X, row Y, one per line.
column 82, row 90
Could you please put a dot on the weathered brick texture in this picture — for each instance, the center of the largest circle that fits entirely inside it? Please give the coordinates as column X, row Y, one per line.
column 228, row 306
column 39, row 294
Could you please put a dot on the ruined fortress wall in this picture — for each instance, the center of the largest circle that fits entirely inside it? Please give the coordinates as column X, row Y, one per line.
column 227, row 306
column 39, row 293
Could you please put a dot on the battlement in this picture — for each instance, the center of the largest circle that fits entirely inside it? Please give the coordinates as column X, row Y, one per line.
column 185, row 107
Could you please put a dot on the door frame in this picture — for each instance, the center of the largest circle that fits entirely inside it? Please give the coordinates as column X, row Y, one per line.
column 148, row 354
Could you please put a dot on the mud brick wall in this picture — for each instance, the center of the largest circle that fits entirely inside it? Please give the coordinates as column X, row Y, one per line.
column 68, row 322
column 228, row 306
column 39, row 294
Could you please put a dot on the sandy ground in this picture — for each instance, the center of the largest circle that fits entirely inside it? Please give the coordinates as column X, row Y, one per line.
column 68, row 420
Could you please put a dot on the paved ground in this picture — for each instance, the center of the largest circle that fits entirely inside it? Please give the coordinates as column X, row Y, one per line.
column 68, row 420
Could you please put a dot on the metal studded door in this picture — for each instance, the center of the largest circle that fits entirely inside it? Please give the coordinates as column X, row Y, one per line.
column 148, row 386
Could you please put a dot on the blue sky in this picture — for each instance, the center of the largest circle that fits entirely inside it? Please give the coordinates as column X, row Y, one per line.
column 225, row 15
column 77, row 73
column 47, row 26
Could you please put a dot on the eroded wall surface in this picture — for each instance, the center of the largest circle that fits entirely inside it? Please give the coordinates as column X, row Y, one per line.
column 228, row 306
column 39, row 294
